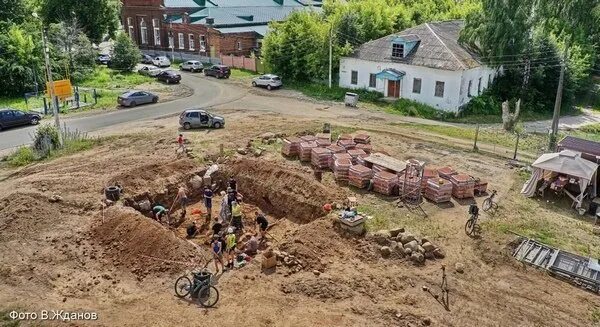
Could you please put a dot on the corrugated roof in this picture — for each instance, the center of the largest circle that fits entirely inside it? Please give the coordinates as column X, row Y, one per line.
column 187, row 3
column 259, row 29
column 581, row 145
column 235, row 3
column 437, row 47
column 244, row 16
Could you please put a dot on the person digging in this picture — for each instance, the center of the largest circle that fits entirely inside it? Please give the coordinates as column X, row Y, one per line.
column 262, row 223
column 192, row 230
column 230, row 243
column 182, row 199
column 159, row 212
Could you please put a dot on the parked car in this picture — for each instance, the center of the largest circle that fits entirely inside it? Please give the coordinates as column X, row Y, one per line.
column 103, row 59
column 192, row 66
column 146, row 59
column 269, row 81
column 169, row 76
column 218, row 71
column 161, row 62
column 133, row 98
column 150, row 71
column 197, row 118
column 10, row 118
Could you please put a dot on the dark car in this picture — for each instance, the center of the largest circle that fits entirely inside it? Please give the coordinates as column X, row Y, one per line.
column 133, row 98
column 11, row 118
column 146, row 59
column 169, row 76
column 218, row 71
column 103, row 59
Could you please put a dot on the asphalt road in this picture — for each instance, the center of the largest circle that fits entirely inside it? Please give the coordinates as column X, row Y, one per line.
column 206, row 93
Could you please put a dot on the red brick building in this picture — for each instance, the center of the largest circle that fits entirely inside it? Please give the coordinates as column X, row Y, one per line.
column 205, row 27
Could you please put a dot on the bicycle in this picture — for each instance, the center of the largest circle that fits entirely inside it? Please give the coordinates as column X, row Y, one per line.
column 472, row 227
column 201, row 289
column 489, row 202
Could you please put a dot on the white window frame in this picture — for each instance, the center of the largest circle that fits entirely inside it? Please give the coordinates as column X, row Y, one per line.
column 143, row 32
column 202, row 41
column 436, row 87
column 239, row 45
column 181, row 39
column 171, row 42
column 156, row 29
column 191, row 41
column 130, row 28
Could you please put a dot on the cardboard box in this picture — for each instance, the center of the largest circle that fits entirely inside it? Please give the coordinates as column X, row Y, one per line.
column 269, row 262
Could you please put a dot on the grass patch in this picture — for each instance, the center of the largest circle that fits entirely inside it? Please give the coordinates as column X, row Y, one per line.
column 6, row 320
column 335, row 93
column 106, row 78
column 243, row 74
column 25, row 155
column 412, row 108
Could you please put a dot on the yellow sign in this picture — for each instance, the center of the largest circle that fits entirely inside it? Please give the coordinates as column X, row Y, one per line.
column 62, row 88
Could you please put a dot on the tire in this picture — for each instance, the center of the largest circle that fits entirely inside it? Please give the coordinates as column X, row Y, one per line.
column 183, row 286
column 133, row 104
column 254, row 84
column 155, row 100
column 470, row 226
column 187, row 126
column 112, row 193
column 487, row 204
column 269, row 87
column 217, row 125
column 208, row 296
column 35, row 121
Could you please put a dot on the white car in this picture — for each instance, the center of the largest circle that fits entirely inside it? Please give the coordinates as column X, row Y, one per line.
column 269, row 81
column 192, row 66
column 161, row 62
column 149, row 71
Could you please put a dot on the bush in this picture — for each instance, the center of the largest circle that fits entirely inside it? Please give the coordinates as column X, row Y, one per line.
column 412, row 108
column 22, row 156
column 335, row 93
column 126, row 55
column 45, row 140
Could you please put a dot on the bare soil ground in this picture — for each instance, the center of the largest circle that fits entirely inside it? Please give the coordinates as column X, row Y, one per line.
column 73, row 255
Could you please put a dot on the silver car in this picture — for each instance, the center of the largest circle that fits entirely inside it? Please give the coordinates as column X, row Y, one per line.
column 150, row 71
column 269, row 81
column 197, row 118
column 133, row 98
column 192, row 66
column 161, row 62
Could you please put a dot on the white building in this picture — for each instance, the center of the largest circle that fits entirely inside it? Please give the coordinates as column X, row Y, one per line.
column 424, row 63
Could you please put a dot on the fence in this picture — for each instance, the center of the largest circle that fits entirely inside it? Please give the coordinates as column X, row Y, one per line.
column 241, row 62
column 82, row 97
column 182, row 56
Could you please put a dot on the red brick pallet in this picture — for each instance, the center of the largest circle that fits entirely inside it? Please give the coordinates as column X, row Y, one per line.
column 480, row 186
column 463, row 186
column 308, row 138
column 341, row 169
column 446, row 172
column 355, row 153
column 345, row 137
column 438, row 190
column 320, row 158
column 346, row 144
column 362, row 139
column 359, row 176
column 368, row 148
column 291, row 146
column 334, row 148
column 323, row 136
column 305, row 150
column 428, row 173
column 323, row 143
column 337, row 156
column 384, row 182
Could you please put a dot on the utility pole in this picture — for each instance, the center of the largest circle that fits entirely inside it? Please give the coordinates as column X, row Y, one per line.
column 558, row 101
column 172, row 41
column 330, row 52
column 52, row 91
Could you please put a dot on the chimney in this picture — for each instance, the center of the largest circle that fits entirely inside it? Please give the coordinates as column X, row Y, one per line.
column 210, row 21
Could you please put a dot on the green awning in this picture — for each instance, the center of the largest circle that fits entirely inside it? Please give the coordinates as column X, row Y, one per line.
column 390, row 74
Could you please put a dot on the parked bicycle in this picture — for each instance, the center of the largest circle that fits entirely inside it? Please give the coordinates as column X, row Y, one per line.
column 489, row 202
column 472, row 227
column 200, row 289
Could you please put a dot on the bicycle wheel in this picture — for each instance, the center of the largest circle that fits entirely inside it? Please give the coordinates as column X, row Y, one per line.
column 183, row 286
column 208, row 296
column 470, row 226
column 487, row 204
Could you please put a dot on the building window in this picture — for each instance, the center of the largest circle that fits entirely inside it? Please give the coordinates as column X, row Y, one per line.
column 373, row 80
column 130, row 26
column 144, row 31
column 398, row 50
column 469, row 89
column 417, row 85
column 181, row 41
column 171, row 45
column 156, row 29
column 239, row 45
column 479, row 87
column 439, row 89
column 354, row 77
column 489, row 80
column 191, row 41
column 202, row 40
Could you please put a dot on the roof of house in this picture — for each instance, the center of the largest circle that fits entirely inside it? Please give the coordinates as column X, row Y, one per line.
column 235, row 3
column 437, row 47
column 581, row 145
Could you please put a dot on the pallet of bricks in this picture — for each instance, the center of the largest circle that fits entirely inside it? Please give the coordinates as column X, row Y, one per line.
column 384, row 182
column 323, row 139
column 341, row 169
column 305, row 150
column 346, row 141
column 359, row 176
column 320, row 158
column 338, row 156
column 291, row 146
column 438, row 190
column 463, row 186
column 428, row 173
column 356, row 154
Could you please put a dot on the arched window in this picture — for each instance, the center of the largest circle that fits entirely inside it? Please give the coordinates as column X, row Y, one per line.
column 144, row 31
column 156, row 29
column 130, row 27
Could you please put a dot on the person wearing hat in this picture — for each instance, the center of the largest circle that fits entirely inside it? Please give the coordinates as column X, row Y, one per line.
column 230, row 243
column 217, row 250
column 236, row 217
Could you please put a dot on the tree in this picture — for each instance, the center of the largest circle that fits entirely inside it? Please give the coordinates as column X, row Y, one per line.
column 97, row 18
column 12, row 12
column 72, row 53
column 125, row 53
column 20, row 62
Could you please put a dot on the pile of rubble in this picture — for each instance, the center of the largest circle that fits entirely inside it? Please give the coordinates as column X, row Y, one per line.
column 400, row 243
column 290, row 261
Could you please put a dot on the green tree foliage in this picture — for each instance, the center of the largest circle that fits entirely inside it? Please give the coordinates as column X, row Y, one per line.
column 97, row 18
column 125, row 53
column 20, row 62
column 72, row 52
column 12, row 12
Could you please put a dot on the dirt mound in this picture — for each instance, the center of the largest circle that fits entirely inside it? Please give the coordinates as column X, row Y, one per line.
column 279, row 190
column 319, row 288
column 142, row 245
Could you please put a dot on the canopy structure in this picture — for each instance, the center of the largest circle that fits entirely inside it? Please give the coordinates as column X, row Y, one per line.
column 390, row 74
column 566, row 162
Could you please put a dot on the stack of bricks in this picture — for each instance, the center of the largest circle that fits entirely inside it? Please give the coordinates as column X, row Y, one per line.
column 362, row 139
column 308, row 138
column 320, row 158
column 446, row 172
column 438, row 190
column 305, row 150
column 480, row 186
column 291, row 146
column 377, row 168
column 341, row 169
column 428, row 173
column 410, row 187
column 463, row 186
column 355, row 154
column 338, row 156
column 334, row 148
column 359, row 176
column 368, row 148
column 323, row 143
column 384, row 182
column 346, row 144
column 345, row 137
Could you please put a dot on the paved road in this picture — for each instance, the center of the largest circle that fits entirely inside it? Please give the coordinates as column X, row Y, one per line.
column 206, row 93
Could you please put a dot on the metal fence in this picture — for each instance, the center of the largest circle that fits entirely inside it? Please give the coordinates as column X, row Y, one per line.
column 182, row 56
